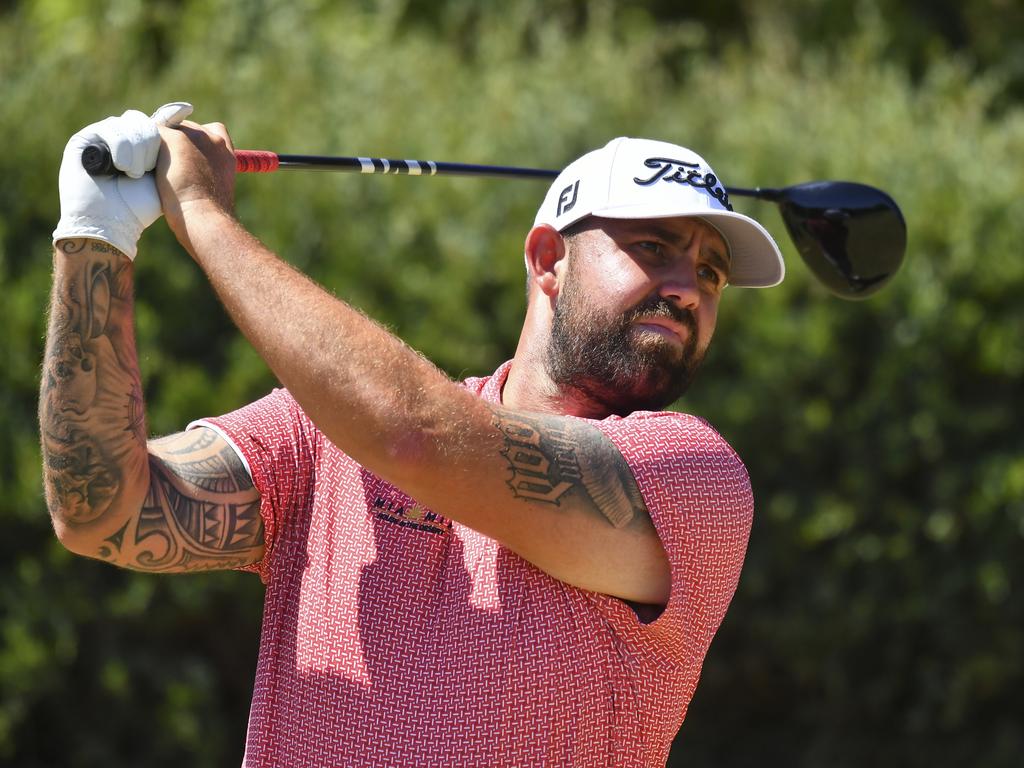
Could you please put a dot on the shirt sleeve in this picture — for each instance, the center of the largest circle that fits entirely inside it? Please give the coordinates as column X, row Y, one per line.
column 277, row 442
column 699, row 497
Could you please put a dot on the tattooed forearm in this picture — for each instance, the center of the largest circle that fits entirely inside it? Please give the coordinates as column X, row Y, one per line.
column 199, row 509
column 77, row 476
column 90, row 404
column 556, row 458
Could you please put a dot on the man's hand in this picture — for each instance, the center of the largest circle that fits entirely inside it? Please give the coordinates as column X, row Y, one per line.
column 195, row 174
column 115, row 209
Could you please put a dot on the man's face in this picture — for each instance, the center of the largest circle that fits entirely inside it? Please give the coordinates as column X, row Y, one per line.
column 636, row 310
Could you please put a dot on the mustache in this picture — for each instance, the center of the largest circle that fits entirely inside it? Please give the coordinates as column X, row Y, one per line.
column 657, row 306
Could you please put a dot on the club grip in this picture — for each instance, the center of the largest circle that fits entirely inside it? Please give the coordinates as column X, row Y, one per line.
column 96, row 160
column 256, row 161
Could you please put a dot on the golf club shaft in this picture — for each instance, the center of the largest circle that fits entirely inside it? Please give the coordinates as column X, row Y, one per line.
column 255, row 161
column 259, row 161
column 97, row 161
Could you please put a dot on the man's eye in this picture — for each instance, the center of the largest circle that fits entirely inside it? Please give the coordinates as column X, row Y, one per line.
column 651, row 246
column 711, row 275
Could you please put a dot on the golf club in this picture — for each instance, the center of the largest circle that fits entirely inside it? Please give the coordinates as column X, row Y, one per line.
column 852, row 236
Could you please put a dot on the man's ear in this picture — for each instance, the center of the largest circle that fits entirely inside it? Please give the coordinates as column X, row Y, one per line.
column 544, row 252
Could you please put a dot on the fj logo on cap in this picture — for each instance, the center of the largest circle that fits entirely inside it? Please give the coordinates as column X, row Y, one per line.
column 564, row 201
column 682, row 172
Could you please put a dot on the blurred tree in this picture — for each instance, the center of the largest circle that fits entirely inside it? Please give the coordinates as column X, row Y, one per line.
column 879, row 617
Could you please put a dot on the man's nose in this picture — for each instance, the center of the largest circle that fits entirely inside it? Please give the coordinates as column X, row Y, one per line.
column 680, row 286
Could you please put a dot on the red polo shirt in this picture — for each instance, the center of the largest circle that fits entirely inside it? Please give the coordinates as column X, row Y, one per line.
column 394, row 636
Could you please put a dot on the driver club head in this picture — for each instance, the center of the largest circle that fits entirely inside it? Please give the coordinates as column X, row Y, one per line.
column 852, row 236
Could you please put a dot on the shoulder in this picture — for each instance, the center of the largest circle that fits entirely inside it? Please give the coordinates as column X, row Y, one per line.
column 274, row 412
column 688, row 474
column 276, row 439
column 650, row 440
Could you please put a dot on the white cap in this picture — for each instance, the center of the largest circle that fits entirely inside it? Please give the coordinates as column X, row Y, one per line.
column 643, row 179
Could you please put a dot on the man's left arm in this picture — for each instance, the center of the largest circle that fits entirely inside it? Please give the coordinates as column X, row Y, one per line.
column 551, row 488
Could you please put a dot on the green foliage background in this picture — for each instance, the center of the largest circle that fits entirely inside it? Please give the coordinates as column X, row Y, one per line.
column 879, row 617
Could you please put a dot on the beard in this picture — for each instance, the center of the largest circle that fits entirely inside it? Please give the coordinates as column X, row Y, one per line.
column 611, row 362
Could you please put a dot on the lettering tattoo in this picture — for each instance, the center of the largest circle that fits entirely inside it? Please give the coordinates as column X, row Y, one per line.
column 558, row 459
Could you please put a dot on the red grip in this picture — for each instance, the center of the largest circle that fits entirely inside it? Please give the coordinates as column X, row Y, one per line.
column 255, row 161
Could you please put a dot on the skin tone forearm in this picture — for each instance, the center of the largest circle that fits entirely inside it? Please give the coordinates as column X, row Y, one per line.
column 331, row 357
column 181, row 503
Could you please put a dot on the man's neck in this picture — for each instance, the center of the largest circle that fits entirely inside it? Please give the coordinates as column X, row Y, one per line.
column 529, row 388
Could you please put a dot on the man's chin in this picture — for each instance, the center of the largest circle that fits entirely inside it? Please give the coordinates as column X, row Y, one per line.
column 635, row 369
column 661, row 348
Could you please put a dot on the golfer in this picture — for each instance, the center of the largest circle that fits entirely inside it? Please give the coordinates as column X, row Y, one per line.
column 522, row 569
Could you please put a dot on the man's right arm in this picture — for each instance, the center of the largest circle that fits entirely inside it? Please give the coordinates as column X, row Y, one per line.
column 181, row 503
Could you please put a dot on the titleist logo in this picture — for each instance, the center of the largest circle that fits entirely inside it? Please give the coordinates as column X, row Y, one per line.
column 682, row 172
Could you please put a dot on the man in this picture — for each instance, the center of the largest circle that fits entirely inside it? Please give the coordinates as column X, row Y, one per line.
column 522, row 569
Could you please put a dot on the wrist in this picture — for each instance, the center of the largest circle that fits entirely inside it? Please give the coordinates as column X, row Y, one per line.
column 205, row 208
column 203, row 224
column 76, row 246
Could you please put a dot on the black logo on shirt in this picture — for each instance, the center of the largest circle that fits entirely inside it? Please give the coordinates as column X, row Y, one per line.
column 410, row 516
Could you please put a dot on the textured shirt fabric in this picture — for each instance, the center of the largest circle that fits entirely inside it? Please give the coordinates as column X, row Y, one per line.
column 393, row 636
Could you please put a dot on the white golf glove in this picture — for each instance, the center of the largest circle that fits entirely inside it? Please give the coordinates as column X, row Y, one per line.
column 115, row 209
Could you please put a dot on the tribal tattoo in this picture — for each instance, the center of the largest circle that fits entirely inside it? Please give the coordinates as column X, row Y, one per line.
column 555, row 458
column 201, row 511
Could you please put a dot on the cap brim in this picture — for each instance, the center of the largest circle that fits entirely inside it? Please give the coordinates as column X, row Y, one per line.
column 756, row 261
column 756, row 258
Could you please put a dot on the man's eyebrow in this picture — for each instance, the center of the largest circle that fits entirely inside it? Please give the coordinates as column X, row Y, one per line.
column 668, row 235
column 712, row 254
